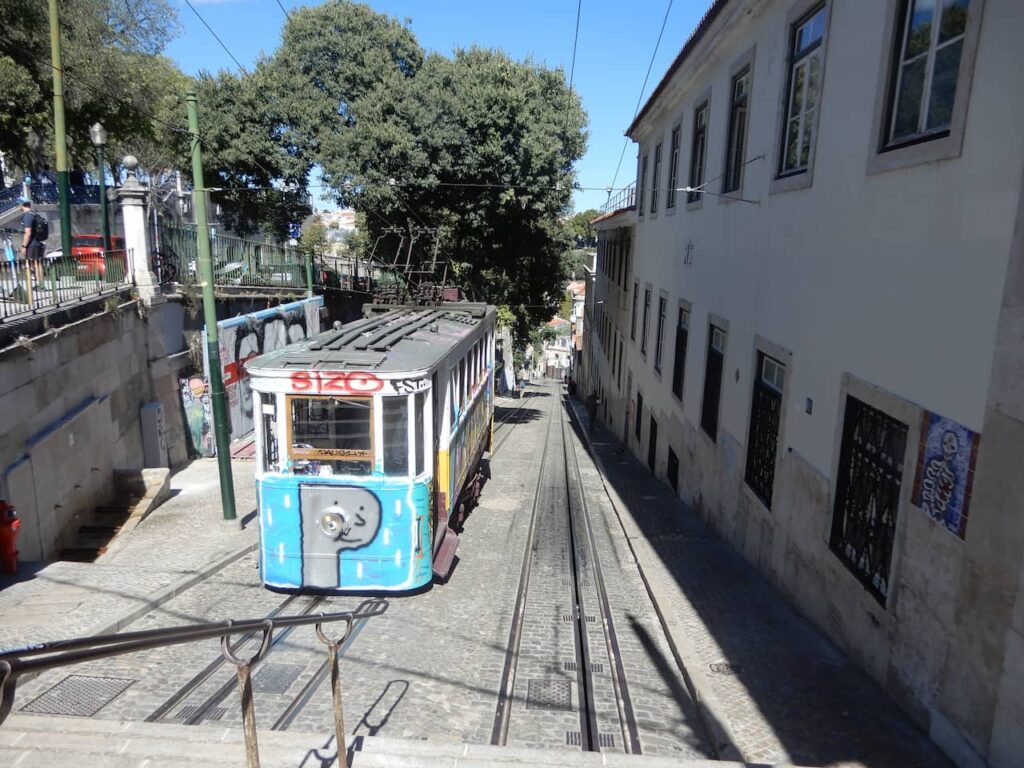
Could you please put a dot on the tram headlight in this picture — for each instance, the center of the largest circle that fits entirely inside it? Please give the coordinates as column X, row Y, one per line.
column 332, row 524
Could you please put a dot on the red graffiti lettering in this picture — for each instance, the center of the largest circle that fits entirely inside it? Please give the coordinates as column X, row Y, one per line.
column 355, row 383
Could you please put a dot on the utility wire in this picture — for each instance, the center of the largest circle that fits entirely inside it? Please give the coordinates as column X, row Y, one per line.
column 281, row 6
column 643, row 88
column 215, row 35
column 572, row 68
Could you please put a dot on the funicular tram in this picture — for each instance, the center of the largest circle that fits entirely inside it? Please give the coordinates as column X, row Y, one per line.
column 370, row 440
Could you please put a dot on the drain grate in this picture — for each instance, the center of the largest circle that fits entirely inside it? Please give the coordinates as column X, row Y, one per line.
column 190, row 711
column 274, row 677
column 597, row 668
column 591, row 619
column 549, row 694
column 725, row 668
column 78, row 695
column 573, row 739
column 569, row 666
column 606, row 739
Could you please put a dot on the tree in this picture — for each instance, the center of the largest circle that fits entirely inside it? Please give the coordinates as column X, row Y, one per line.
column 112, row 74
column 314, row 236
column 582, row 230
column 480, row 149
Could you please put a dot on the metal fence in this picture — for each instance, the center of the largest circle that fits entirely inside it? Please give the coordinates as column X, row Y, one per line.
column 9, row 198
column 27, row 287
column 236, row 261
column 79, row 194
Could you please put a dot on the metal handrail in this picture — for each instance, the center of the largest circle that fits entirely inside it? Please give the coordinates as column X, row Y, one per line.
column 39, row 657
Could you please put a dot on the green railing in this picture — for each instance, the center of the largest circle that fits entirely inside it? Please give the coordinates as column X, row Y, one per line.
column 27, row 287
column 236, row 261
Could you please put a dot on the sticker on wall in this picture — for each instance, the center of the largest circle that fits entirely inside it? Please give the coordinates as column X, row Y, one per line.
column 945, row 471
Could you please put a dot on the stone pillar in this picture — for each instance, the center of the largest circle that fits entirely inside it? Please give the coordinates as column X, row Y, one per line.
column 132, row 197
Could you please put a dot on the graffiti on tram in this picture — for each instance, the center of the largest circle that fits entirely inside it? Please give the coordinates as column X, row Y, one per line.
column 472, row 429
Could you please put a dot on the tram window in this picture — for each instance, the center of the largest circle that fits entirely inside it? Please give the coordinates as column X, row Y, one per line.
column 396, row 435
column 326, row 427
column 421, row 404
column 268, row 418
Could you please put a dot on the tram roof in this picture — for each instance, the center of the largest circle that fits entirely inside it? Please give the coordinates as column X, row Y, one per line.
column 389, row 339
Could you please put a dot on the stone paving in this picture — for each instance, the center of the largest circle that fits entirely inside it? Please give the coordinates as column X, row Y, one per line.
column 781, row 690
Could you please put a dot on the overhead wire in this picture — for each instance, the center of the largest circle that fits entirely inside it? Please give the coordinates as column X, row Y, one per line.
column 643, row 88
column 572, row 67
column 281, row 6
column 215, row 35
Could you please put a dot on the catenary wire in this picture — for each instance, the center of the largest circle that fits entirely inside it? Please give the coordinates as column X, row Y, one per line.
column 215, row 35
column 643, row 88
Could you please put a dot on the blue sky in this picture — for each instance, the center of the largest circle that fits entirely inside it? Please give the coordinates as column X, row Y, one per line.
column 616, row 40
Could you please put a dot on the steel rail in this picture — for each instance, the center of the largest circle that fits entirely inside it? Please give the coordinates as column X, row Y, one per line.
column 503, row 710
column 620, row 685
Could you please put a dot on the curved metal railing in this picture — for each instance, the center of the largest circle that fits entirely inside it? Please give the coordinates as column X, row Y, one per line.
column 18, row 661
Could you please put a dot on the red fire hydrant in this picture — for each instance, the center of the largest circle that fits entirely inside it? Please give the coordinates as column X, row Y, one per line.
column 9, row 525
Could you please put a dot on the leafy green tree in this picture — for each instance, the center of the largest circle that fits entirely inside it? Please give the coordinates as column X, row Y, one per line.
column 314, row 236
column 112, row 74
column 583, row 231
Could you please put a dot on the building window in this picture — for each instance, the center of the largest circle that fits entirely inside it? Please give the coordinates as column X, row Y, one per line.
column 672, row 470
column 737, row 147
column 659, row 340
column 868, row 494
column 805, row 60
column 673, row 168
column 652, row 445
column 679, row 362
column 713, row 381
column 643, row 186
column 646, row 321
column 638, row 422
column 620, row 365
column 698, row 152
column 931, row 42
column 654, row 179
column 632, row 324
column 762, row 441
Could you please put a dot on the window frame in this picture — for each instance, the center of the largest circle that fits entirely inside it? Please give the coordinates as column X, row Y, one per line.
column 646, row 321
column 659, row 338
column 655, row 174
column 882, row 156
column 714, row 324
column 695, row 200
column 766, row 352
column 799, row 14
column 675, row 144
column 643, row 184
column 323, row 454
column 743, row 67
column 683, row 310
column 636, row 299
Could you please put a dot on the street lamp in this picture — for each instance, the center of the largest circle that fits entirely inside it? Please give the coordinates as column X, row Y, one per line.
column 98, row 134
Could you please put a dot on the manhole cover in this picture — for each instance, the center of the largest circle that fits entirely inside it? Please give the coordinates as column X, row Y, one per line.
column 78, row 695
column 274, row 677
column 725, row 668
column 187, row 713
column 549, row 694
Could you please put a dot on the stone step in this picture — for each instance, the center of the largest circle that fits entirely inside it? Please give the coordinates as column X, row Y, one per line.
column 30, row 741
column 380, row 752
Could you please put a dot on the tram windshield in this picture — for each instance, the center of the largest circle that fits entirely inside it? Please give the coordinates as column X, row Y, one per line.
column 331, row 435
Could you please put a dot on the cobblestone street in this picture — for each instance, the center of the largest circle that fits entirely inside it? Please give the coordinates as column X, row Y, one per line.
column 434, row 665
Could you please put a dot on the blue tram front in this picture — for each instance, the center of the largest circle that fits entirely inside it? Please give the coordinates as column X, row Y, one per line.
column 361, row 442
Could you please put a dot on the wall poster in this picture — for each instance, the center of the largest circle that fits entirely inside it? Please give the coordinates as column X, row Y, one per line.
column 945, row 471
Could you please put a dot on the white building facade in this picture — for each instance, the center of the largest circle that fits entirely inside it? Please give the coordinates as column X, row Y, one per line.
column 811, row 323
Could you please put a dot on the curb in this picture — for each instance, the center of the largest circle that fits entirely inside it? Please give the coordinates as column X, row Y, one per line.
column 713, row 714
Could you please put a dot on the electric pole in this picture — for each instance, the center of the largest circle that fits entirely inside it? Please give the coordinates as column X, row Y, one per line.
column 219, row 401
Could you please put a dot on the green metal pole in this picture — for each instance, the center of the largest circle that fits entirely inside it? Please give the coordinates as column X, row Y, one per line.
column 102, row 170
column 60, row 133
column 219, row 402
column 309, row 275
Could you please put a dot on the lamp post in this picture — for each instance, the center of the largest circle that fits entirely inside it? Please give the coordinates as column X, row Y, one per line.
column 98, row 134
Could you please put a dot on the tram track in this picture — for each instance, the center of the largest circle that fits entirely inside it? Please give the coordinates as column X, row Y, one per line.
column 559, row 495
column 505, row 422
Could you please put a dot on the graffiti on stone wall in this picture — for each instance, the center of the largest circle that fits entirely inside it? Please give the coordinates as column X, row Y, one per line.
column 195, row 403
column 945, row 471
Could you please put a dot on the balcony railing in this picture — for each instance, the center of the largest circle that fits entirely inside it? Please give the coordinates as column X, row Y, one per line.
column 28, row 288
column 44, row 194
column 624, row 198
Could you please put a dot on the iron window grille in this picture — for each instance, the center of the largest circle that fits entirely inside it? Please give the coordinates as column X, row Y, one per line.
column 659, row 341
column 765, row 411
column 673, row 168
column 679, row 362
column 868, row 494
column 737, row 148
column 698, row 152
column 927, row 65
column 654, row 179
column 646, row 321
column 802, row 92
column 713, row 381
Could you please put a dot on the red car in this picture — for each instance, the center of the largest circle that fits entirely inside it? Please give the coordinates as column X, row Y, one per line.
column 87, row 251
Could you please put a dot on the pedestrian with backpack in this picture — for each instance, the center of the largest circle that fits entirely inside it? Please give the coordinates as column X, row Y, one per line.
column 36, row 229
